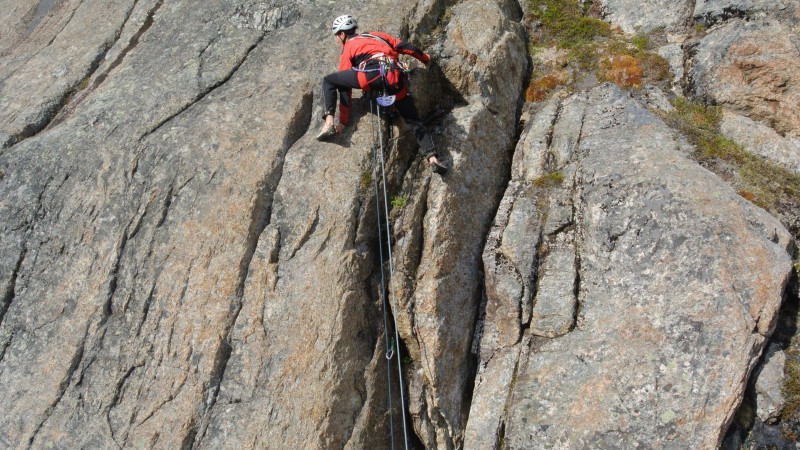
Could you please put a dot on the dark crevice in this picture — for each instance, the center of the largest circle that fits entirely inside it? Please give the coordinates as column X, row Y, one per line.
column 729, row 12
column 576, row 292
column 112, row 280
column 745, row 429
column 529, row 289
column 118, row 396
column 5, row 347
column 376, row 209
column 189, row 439
column 148, row 22
column 51, row 113
column 8, row 295
column 145, row 310
column 62, row 387
column 74, row 99
column 306, row 234
column 165, row 208
column 205, row 92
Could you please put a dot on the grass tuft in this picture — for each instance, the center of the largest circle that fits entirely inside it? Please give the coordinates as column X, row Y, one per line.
column 399, row 201
column 566, row 22
column 366, row 179
column 551, row 179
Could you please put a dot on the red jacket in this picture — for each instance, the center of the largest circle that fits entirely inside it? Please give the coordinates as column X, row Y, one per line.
column 362, row 47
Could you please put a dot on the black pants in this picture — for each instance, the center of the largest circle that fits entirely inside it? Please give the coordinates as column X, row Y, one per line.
column 345, row 80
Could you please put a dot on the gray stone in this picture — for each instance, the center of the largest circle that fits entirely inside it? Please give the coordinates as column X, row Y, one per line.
column 440, row 233
column 712, row 11
column 554, row 312
column 762, row 140
column 674, row 55
column 633, row 16
column 769, row 385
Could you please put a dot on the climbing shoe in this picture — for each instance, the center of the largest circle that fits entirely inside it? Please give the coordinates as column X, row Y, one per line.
column 438, row 168
column 327, row 133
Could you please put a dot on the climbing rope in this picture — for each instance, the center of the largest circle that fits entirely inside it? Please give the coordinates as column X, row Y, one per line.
column 391, row 349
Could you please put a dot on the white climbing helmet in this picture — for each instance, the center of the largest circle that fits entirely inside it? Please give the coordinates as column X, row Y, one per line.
column 344, row 23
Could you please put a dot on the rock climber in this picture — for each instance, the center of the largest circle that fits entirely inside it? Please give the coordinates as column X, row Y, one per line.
column 370, row 62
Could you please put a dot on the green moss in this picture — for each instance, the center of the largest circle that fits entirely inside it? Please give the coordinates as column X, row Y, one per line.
column 551, row 179
column 83, row 84
column 399, row 201
column 366, row 179
column 641, row 41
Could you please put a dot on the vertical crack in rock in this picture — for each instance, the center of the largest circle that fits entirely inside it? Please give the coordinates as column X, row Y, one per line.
column 8, row 295
column 66, row 23
column 49, row 115
column 259, row 220
column 73, row 99
column 145, row 310
column 112, row 279
column 116, row 398
column 148, row 22
column 5, row 347
column 577, row 202
column 307, row 233
column 62, row 387
column 205, row 92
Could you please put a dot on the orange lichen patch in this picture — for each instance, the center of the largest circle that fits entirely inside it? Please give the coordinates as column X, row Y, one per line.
column 748, row 195
column 623, row 70
column 542, row 86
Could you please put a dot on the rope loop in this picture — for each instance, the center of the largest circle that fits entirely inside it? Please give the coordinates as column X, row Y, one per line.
column 390, row 352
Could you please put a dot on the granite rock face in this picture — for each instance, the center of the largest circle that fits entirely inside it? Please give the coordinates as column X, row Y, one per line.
column 182, row 265
column 645, row 336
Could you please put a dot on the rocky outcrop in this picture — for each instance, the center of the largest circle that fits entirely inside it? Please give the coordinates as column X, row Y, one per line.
column 752, row 68
column 620, row 331
column 644, row 17
column 183, row 266
column 762, row 140
column 710, row 12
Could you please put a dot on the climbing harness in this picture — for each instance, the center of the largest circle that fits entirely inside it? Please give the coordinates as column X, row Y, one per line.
column 390, row 344
column 384, row 67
